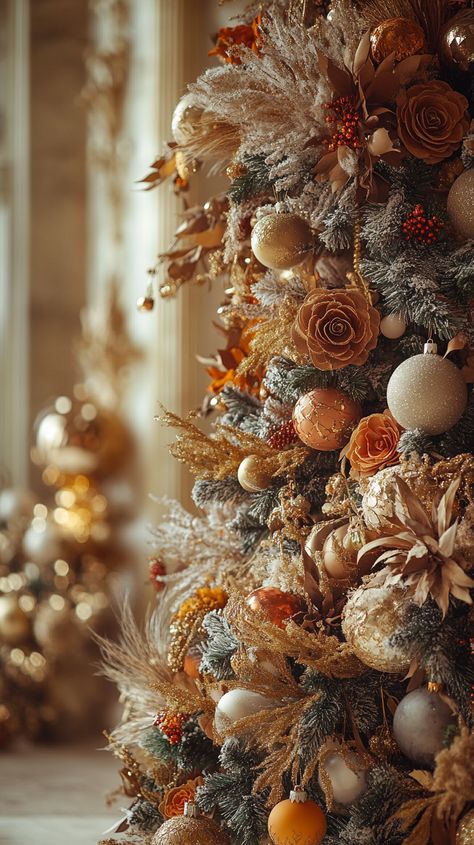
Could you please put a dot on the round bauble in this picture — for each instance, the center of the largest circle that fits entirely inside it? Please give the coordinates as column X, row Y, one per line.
column 465, row 831
column 339, row 552
column 461, row 204
column 190, row 830
column 456, row 43
column 297, row 820
column 15, row 504
column 281, row 241
column 402, row 36
column 14, row 623
column 370, row 617
column 239, row 703
column 427, row 392
column 419, row 725
column 41, row 543
column 392, row 326
column 324, row 418
column 185, row 120
column 378, row 497
column 276, row 605
column 347, row 784
column 252, row 477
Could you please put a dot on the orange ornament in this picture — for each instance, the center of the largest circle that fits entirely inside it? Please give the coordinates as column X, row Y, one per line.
column 275, row 604
column 325, row 418
column 297, row 820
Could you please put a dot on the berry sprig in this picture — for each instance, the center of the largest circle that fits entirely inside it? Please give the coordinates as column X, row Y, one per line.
column 346, row 119
column 421, row 228
column 156, row 571
column 282, row 436
column 171, row 725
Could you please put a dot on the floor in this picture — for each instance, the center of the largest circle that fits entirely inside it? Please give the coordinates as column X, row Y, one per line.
column 56, row 796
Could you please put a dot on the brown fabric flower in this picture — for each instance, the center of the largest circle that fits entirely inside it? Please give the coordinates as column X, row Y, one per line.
column 174, row 799
column 336, row 328
column 373, row 445
column 432, row 120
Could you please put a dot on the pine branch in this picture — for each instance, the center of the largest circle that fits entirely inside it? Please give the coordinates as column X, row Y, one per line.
column 253, row 182
column 218, row 648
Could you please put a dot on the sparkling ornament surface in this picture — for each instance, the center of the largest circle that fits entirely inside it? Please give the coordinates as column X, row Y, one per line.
column 337, row 554
column 465, row 831
column 251, row 476
column 427, row 392
column 14, row 623
column 239, row 703
column 324, row 418
column 184, row 830
column 461, row 204
column 369, row 618
column 456, row 44
column 378, row 500
column 347, row 784
column 281, row 241
column 297, row 823
column 419, row 725
column 392, row 326
column 276, row 605
column 401, row 36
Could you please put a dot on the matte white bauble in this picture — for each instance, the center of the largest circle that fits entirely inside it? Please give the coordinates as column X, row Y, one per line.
column 392, row 326
column 461, row 204
column 419, row 725
column 427, row 392
column 347, row 784
column 237, row 704
column 41, row 545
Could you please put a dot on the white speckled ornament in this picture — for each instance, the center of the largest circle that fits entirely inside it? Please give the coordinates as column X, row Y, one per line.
column 419, row 725
column 461, row 204
column 427, row 392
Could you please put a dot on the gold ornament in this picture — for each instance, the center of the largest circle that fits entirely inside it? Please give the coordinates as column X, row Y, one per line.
column 465, row 831
column 456, row 44
column 392, row 326
column 434, row 687
column 371, row 615
column 324, row 418
column 461, row 204
column 14, row 623
column 427, row 392
column 190, row 829
column 281, row 241
column 401, row 36
column 251, row 475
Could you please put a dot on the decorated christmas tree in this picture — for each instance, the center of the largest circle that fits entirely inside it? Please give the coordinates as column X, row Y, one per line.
column 306, row 674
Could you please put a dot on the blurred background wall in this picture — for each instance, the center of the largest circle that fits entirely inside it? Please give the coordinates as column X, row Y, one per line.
column 90, row 90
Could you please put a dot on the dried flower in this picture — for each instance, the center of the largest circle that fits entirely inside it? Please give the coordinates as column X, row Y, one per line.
column 336, row 328
column 422, row 548
column 174, row 799
column 230, row 37
column 432, row 120
column 373, row 445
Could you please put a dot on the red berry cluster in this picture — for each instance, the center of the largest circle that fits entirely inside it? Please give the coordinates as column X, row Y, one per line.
column 419, row 227
column 282, row 436
column 346, row 119
column 171, row 725
column 156, row 571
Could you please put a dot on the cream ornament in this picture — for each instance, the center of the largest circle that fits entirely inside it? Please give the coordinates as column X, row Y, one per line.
column 281, row 241
column 369, row 618
column 392, row 326
column 427, row 392
column 238, row 704
column 461, row 204
column 347, row 782
column 419, row 725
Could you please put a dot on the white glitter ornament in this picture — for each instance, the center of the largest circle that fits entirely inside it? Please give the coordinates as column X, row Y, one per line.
column 461, row 204
column 281, row 241
column 427, row 392
column 392, row 326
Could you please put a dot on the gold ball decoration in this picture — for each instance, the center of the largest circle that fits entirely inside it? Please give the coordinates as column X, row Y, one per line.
column 338, row 553
column 370, row 617
column 427, row 392
column 392, row 326
column 297, row 820
column 401, row 36
column 14, row 623
column 419, row 725
column 465, row 831
column 281, row 241
column 186, row 118
column 325, row 418
column 456, row 44
column 186, row 830
column 461, row 204
column 252, row 477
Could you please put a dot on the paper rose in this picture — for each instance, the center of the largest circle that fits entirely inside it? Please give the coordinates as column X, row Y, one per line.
column 174, row 799
column 373, row 445
column 432, row 120
column 336, row 328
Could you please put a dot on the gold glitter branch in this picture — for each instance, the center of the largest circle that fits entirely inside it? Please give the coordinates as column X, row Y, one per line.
column 273, row 337
column 219, row 456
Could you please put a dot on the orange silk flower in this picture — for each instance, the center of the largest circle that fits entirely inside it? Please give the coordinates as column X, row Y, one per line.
column 373, row 445
column 174, row 799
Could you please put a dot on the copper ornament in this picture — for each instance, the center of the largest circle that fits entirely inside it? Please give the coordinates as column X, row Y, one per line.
column 276, row 605
column 456, row 43
column 324, row 418
column 401, row 36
